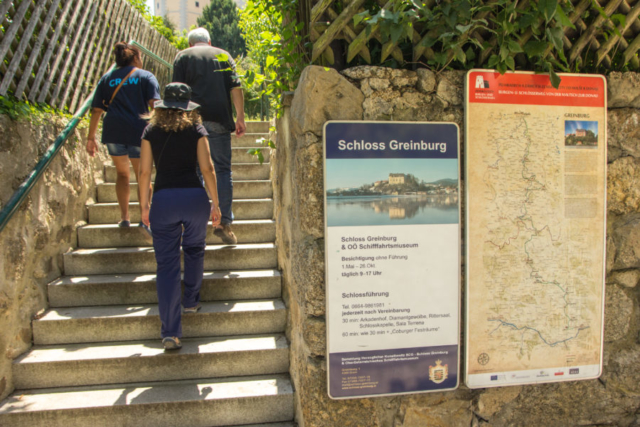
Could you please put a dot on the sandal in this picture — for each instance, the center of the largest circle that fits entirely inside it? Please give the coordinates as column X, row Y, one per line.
column 192, row 309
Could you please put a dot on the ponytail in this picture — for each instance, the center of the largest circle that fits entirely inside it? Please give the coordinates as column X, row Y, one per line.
column 125, row 54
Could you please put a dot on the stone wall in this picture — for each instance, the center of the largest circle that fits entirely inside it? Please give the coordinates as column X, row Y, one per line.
column 374, row 93
column 42, row 229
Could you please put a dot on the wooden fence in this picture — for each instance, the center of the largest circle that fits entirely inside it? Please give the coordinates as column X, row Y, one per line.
column 330, row 20
column 55, row 51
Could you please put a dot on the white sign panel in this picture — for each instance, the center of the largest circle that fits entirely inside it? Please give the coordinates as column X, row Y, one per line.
column 392, row 257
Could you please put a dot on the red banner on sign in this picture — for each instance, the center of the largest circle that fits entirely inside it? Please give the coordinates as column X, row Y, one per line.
column 490, row 87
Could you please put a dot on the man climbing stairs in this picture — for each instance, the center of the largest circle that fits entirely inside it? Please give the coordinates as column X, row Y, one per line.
column 97, row 357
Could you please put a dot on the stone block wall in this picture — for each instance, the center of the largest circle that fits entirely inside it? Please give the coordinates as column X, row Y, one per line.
column 42, row 229
column 376, row 93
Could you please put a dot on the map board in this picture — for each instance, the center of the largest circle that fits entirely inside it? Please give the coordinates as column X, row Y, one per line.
column 535, row 227
column 392, row 252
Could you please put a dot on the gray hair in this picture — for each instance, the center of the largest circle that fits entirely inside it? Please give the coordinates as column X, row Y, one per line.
column 199, row 35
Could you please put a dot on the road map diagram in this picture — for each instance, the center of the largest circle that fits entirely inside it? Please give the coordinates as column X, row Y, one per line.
column 535, row 239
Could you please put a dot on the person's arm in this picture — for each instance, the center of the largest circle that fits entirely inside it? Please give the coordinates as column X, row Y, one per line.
column 209, row 175
column 144, row 178
column 152, row 104
column 92, row 145
column 237, row 96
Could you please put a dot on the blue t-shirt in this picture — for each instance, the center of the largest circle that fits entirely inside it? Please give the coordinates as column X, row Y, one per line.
column 122, row 123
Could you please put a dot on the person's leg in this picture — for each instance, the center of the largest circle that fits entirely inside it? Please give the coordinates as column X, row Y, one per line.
column 194, row 219
column 220, row 147
column 134, row 157
column 122, row 184
column 166, row 244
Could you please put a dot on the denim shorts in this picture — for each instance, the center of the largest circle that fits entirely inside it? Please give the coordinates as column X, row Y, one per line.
column 123, row 150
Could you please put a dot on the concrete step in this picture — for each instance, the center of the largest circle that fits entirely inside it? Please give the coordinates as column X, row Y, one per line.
column 272, row 425
column 110, row 235
column 73, row 365
column 243, row 209
column 241, row 190
column 208, row 402
column 142, row 259
column 241, row 171
column 241, row 155
column 251, row 171
column 249, row 140
column 257, row 127
column 142, row 322
column 78, row 291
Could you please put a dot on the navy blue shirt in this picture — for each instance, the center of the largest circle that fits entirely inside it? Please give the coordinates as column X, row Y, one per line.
column 122, row 123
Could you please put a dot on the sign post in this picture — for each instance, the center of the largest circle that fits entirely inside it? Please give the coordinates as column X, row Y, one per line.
column 392, row 239
column 535, row 230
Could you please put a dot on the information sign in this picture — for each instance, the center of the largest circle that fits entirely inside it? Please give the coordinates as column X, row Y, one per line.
column 392, row 252
column 535, row 227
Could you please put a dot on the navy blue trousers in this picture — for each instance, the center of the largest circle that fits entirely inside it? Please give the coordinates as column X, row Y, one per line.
column 220, row 148
column 178, row 217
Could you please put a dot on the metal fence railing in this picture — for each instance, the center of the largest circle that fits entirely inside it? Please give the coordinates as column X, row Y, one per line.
column 54, row 51
column 23, row 191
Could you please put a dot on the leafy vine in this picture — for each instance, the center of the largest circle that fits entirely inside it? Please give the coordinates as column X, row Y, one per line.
column 455, row 33
column 274, row 40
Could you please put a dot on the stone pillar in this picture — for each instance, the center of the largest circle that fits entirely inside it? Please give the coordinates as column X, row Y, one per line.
column 376, row 93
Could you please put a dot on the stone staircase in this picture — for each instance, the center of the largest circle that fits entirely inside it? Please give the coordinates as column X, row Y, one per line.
column 97, row 358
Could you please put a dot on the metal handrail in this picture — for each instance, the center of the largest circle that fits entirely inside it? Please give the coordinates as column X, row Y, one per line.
column 151, row 54
column 27, row 185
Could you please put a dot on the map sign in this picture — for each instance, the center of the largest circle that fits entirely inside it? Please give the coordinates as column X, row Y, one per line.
column 392, row 249
column 535, row 227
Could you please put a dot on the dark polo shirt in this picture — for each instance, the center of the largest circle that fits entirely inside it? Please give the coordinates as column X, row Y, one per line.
column 211, row 73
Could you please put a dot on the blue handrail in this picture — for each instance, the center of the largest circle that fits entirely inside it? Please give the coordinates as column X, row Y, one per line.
column 27, row 185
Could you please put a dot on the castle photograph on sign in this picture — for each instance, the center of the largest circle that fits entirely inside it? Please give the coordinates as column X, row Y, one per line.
column 580, row 134
column 393, row 192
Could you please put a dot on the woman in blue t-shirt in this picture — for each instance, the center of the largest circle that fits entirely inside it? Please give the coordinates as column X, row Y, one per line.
column 124, row 94
column 177, row 143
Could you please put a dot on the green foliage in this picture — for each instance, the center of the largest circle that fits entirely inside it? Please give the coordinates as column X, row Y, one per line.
column 220, row 18
column 140, row 6
column 255, row 104
column 528, row 33
column 514, row 35
column 264, row 143
column 161, row 25
column 24, row 110
column 275, row 43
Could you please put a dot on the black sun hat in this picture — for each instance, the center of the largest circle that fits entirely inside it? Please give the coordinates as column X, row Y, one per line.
column 177, row 96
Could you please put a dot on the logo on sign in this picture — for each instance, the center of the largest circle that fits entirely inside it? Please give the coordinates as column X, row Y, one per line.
column 557, row 374
column 574, row 371
column 481, row 83
column 438, row 373
column 494, row 378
